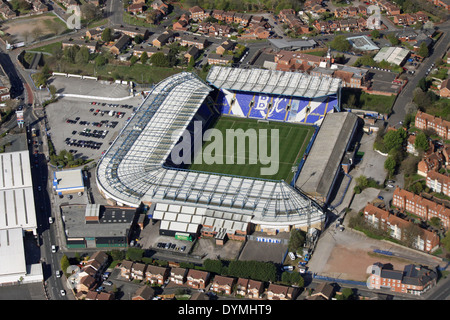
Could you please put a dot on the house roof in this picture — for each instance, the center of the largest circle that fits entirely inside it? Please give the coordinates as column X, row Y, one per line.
column 144, row 292
column 224, row 281
column 325, row 289
column 156, row 270
column 198, row 274
column 127, row 264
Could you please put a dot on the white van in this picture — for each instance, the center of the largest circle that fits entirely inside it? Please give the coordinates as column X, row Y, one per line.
column 292, row 256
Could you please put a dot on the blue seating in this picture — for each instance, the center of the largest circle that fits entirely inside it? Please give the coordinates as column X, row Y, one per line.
column 278, row 110
column 256, row 106
column 241, row 105
column 260, row 107
column 222, row 103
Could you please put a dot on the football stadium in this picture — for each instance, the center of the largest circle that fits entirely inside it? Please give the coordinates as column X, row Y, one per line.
column 216, row 200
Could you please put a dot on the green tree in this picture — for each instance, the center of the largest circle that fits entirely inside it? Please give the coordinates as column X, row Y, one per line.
column 133, row 60
column 82, row 56
column 393, row 39
column 423, row 50
column 394, row 139
column 144, row 57
column 423, row 84
column 159, row 59
column 134, row 254
column 52, row 90
column 340, row 43
column 100, row 61
column 117, row 255
column 446, row 241
column 421, row 143
column 138, row 39
column 107, row 35
column 64, row 263
column 390, row 165
column 296, row 240
column 375, row 34
column 215, row 266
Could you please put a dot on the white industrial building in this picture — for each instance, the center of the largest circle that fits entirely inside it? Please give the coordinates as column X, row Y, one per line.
column 392, row 55
column 17, row 217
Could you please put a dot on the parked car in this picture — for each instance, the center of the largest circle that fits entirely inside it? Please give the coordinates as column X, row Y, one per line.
column 108, row 283
column 63, row 292
column 53, row 248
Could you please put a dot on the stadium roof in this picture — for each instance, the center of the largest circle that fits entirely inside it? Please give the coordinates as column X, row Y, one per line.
column 320, row 168
column 132, row 171
column 273, row 82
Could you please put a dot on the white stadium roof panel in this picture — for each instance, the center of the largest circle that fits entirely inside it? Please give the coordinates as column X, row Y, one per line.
column 273, row 82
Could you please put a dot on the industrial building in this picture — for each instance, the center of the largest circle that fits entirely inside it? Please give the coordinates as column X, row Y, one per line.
column 68, row 181
column 17, row 219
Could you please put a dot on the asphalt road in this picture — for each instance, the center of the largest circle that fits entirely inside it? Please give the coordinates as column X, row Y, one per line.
column 405, row 96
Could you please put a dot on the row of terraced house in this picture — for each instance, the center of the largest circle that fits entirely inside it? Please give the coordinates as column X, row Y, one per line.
column 198, row 279
column 401, row 229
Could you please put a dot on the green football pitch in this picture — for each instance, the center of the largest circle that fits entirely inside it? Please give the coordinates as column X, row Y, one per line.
column 292, row 142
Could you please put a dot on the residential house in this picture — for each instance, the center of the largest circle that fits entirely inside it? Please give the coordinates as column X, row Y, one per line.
column 94, row 34
column 133, row 32
column 398, row 228
column 120, row 45
column 279, row 292
column 225, row 46
column 164, row 38
column 248, row 288
column 197, row 279
column 157, row 275
column 445, row 4
column 161, row 6
column 218, row 15
column 432, row 161
column 413, row 279
column 192, row 40
column 242, row 19
column 324, row 291
column 91, row 45
column 426, row 121
column 438, row 182
column 214, row 58
column 105, row 296
column 198, row 14
column 86, row 283
column 125, row 269
column 180, row 25
column 144, row 293
column 178, row 275
column 228, row 16
column 410, row 146
column 444, row 90
column 98, row 262
column 138, row 51
column 223, row 284
column 138, row 271
column 192, row 52
column 421, row 207
column 138, row 1
column 136, row 8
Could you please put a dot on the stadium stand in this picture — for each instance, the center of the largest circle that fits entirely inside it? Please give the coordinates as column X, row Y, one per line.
column 267, row 98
